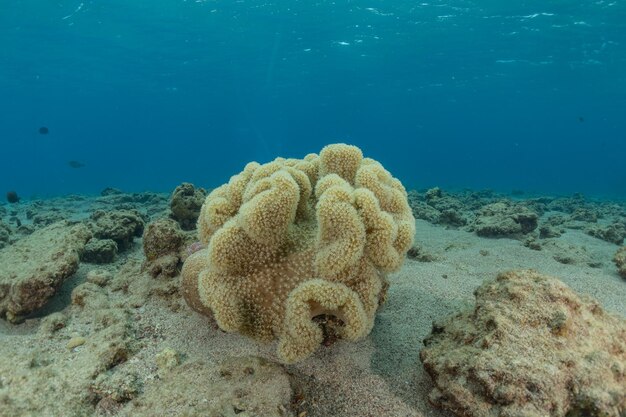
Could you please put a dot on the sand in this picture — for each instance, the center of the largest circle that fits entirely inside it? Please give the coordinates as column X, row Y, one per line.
column 378, row 376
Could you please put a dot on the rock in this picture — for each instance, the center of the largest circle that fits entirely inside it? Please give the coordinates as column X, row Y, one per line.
column 418, row 253
column 119, row 225
column 614, row 233
column 423, row 211
column 186, row 203
column 547, row 231
column 119, row 387
column 530, row 347
column 452, row 217
column 100, row 277
column 52, row 323
column 504, row 219
column 245, row 386
column 110, row 191
column 100, row 251
column 584, row 215
column 163, row 242
column 620, row 261
column 531, row 243
column 569, row 254
column 433, row 194
column 47, row 218
column 33, row 268
column 167, row 359
column 162, row 237
column 90, row 295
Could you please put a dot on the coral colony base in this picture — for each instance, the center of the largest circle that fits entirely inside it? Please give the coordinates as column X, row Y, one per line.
column 308, row 306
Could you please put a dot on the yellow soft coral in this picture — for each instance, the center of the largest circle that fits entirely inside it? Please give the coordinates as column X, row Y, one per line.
column 293, row 240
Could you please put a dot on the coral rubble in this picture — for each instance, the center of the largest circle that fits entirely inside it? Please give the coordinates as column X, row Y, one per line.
column 294, row 239
column 530, row 347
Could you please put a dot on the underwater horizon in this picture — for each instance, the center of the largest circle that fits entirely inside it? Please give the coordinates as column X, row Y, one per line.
column 144, row 95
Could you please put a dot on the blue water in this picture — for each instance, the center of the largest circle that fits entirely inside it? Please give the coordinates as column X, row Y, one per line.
column 150, row 93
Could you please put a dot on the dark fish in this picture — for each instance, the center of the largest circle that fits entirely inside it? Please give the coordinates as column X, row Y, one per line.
column 43, row 130
column 581, row 119
column 12, row 197
column 76, row 164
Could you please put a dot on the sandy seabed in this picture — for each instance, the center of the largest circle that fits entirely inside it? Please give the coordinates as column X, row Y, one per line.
column 378, row 376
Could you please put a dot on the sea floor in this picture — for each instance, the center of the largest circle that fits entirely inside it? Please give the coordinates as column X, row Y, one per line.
column 117, row 341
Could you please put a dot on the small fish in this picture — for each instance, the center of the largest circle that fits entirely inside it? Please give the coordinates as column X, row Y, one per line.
column 12, row 197
column 581, row 119
column 75, row 164
column 43, row 130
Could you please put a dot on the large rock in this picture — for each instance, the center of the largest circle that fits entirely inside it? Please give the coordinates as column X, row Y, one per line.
column 504, row 219
column 531, row 347
column 186, row 203
column 614, row 233
column 118, row 225
column 163, row 245
column 32, row 269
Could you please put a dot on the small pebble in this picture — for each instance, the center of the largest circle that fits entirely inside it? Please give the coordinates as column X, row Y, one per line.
column 75, row 342
column 167, row 359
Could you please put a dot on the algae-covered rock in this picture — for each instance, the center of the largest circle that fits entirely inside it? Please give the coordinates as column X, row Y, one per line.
column 531, row 347
column 238, row 387
column 186, row 203
column 47, row 218
column 163, row 243
column 614, row 233
column 620, row 261
column 100, row 251
column 32, row 269
column 119, row 225
column 504, row 219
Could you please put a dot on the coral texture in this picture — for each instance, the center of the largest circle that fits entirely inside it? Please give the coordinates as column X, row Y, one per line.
column 530, row 347
column 294, row 239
